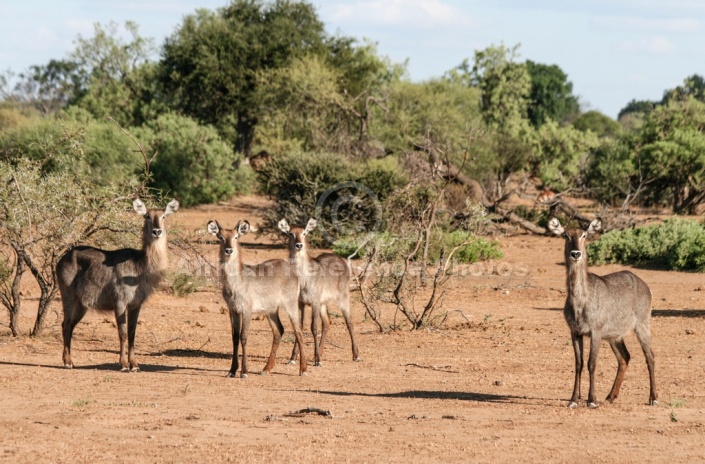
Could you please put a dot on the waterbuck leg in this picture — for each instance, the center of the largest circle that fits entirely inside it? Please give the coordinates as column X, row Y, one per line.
column 73, row 313
column 235, row 329
column 243, row 341
column 121, row 320
column 315, row 318
column 644, row 337
column 348, row 322
column 298, row 333
column 277, row 331
column 295, row 350
column 620, row 351
column 595, row 340
column 578, row 350
column 132, row 317
column 325, row 325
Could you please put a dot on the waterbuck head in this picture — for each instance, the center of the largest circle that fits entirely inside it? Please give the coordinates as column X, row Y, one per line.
column 154, row 219
column 297, row 235
column 575, row 239
column 228, row 238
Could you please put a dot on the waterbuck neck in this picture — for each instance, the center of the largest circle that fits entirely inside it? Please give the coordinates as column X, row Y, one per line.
column 298, row 247
column 577, row 283
column 155, row 249
column 231, row 264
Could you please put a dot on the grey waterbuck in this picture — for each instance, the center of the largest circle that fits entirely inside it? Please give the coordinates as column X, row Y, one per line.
column 324, row 281
column 115, row 280
column 262, row 288
column 605, row 308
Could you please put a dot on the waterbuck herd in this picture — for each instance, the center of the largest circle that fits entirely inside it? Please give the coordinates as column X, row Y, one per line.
column 602, row 307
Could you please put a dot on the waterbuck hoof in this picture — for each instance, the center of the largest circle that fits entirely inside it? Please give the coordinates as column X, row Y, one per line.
column 317, row 364
column 230, row 375
column 264, row 373
column 301, row 374
column 653, row 402
column 592, row 405
column 125, row 369
column 135, row 369
column 68, row 366
column 243, row 375
column 292, row 361
column 572, row 404
column 357, row 360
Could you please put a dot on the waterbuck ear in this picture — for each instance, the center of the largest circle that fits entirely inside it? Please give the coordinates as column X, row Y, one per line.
column 595, row 226
column 554, row 225
column 284, row 226
column 171, row 208
column 214, row 228
column 311, row 225
column 243, row 227
column 139, row 207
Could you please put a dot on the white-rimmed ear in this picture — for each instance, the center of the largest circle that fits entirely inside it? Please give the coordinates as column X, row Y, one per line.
column 213, row 228
column 139, row 207
column 171, row 208
column 284, row 226
column 595, row 226
column 243, row 227
column 312, row 223
column 554, row 225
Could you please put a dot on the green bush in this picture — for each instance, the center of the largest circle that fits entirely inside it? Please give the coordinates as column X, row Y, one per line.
column 348, row 192
column 183, row 284
column 77, row 143
column 391, row 247
column 478, row 248
column 193, row 163
column 675, row 244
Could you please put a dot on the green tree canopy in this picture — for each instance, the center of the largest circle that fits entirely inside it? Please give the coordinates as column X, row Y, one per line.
column 209, row 66
column 551, row 95
column 602, row 125
column 193, row 163
column 636, row 106
column 505, row 87
column 672, row 149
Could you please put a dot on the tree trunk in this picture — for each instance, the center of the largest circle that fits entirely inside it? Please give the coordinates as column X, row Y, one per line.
column 12, row 301
column 48, row 290
column 245, row 135
column 44, row 301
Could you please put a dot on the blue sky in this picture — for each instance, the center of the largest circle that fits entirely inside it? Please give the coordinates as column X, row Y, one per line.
column 612, row 50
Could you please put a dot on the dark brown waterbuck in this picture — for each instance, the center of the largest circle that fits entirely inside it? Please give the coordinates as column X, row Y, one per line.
column 114, row 280
column 261, row 288
column 604, row 308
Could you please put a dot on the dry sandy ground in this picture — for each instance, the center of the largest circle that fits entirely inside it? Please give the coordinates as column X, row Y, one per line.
column 491, row 386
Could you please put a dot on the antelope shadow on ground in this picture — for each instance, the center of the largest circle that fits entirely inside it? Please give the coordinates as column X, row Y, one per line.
column 444, row 395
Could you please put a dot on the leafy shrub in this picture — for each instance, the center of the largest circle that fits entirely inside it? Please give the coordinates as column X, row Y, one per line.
column 193, row 163
column 347, row 192
column 391, row 247
column 478, row 248
column 183, row 284
column 77, row 143
column 675, row 244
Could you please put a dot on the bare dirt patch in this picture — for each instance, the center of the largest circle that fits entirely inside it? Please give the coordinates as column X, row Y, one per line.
column 492, row 386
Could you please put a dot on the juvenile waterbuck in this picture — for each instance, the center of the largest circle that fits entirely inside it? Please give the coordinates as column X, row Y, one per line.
column 605, row 308
column 115, row 280
column 262, row 288
column 324, row 281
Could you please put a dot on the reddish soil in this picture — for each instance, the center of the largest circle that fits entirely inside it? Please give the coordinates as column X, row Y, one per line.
column 491, row 385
